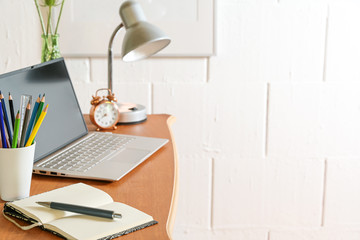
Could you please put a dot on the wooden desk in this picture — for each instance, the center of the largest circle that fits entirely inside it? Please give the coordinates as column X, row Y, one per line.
column 151, row 187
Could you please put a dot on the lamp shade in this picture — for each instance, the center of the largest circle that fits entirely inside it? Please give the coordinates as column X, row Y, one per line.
column 141, row 39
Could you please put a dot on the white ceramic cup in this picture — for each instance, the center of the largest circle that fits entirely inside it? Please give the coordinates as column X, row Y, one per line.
column 16, row 165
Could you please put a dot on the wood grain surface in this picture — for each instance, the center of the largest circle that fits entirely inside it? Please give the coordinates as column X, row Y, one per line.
column 151, row 187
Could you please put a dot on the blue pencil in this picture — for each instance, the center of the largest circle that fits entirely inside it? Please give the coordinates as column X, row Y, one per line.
column 6, row 119
column 32, row 119
column 2, row 128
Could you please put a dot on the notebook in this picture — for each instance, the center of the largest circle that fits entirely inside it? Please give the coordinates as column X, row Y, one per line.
column 64, row 128
column 76, row 226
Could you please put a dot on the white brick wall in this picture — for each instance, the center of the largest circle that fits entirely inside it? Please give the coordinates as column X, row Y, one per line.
column 19, row 26
column 273, row 197
column 268, row 129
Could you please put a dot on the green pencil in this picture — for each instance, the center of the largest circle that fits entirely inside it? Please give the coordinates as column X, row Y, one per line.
column 39, row 110
column 16, row 130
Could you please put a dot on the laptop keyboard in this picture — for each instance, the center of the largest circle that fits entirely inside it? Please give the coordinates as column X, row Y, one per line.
column 88, row 153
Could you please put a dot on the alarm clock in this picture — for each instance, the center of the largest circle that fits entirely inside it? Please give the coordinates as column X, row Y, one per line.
column 104, row 112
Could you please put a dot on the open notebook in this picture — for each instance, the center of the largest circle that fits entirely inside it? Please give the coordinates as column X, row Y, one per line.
column 76, row 226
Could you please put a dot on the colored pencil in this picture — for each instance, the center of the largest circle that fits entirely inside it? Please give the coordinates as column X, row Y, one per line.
column 25, row 98
column 32, row 119
column 2, row 127
column 16, row 130
column 37, row 126
column 7, row 143
column 41, row 105
column 11, row 104
column 25, row 124
column 6, row 119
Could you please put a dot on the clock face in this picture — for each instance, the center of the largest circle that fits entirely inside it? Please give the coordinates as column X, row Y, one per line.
column 106, row 115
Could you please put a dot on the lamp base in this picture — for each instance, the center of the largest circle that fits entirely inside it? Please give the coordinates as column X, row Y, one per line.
column 131, row 113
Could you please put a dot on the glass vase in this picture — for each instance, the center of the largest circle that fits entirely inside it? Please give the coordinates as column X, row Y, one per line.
column 50, row 47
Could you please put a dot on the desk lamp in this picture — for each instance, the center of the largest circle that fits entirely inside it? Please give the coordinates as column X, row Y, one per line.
column 141, row 40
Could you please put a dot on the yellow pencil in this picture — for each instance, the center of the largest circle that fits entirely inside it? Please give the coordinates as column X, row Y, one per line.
column 37, row 126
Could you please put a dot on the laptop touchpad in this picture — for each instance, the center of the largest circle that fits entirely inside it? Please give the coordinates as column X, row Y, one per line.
column 130, row 155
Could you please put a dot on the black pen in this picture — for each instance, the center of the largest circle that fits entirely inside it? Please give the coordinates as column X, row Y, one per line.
column 81, row 209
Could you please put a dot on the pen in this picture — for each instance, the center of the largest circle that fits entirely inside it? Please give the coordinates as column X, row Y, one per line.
column 11, row 104
column 81, row 209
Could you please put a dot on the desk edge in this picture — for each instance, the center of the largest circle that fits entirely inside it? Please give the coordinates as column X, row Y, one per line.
column 174, row 200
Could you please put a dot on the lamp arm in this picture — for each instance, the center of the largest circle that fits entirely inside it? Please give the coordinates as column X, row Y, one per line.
column 110, row 56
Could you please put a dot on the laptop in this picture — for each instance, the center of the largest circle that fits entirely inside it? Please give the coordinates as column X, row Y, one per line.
column 64, row 146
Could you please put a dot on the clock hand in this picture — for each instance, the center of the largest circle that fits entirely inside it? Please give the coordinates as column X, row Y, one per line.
column 104, row 115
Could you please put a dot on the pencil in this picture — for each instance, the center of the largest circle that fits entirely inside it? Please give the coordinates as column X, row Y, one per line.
column 2, row 127
column 16, row 130
column 11, row 104
column 32, row 119
column 37, row 126
column 41, row 105
column 6, row 119
column 25, row 124
column 7, row 143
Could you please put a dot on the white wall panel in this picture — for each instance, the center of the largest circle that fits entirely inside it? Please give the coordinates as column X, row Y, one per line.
column 123, row 72
column 236, row 118
column 319, row 234
column 340, row 113
column 194, row 195
column 294, row 125
column 20, row 37
column 269, row 42
column 173, row 70
column 186, row 103
column 342, row 193
column 79, row 69
column 267, row 192
column 343, row 49
column 233, row 234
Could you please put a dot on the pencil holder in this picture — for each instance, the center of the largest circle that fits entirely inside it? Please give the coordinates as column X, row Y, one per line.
column 16, row 165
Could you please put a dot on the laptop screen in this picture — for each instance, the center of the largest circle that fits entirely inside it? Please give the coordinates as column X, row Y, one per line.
column 64, row 122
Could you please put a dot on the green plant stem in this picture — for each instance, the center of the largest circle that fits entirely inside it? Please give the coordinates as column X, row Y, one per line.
column 57, row 24
column 40, row 16
column 49, row 20
column 51, row 28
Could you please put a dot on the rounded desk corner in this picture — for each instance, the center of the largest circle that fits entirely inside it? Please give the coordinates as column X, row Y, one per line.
column 170, row 121
column 173, row 207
